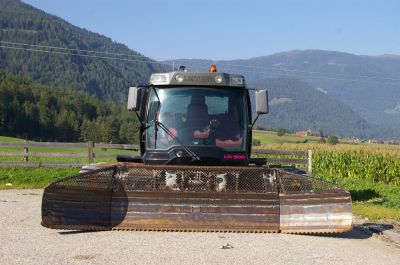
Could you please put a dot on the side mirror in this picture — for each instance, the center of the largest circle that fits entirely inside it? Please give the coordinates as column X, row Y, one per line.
column 134, row 98
column 262, row 102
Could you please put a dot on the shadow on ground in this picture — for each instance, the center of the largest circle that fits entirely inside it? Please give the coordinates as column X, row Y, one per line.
column 360, row 231
column 364, row 195
column 75, row 232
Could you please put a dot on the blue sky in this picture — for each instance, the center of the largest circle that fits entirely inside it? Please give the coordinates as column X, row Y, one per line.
column 233, row 29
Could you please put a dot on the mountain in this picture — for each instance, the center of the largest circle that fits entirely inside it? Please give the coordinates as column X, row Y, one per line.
column 296, row 105
column 370, row 85
column 70, row 65
column 346, row 94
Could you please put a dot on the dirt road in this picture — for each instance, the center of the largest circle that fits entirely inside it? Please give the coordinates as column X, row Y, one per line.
column 24, row 241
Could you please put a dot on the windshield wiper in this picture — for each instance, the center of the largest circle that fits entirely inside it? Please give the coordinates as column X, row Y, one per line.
column 157, row 123
column 192, row 154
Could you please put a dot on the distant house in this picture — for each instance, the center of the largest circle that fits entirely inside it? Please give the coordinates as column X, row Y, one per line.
column 373, row 141
column 302, row 133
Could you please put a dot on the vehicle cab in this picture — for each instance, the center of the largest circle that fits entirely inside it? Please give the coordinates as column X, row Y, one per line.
column 194, row 118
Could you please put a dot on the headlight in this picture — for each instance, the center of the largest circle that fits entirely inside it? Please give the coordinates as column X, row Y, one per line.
column 218, row 79
column 159, row 78
column 179, row 78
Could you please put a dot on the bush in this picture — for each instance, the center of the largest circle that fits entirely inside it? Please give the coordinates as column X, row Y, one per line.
column 280, row 132
column 333, row 140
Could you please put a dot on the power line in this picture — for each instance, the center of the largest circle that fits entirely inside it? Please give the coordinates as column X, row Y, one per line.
column 83, row 55
column 72, row 49
column 258, row 69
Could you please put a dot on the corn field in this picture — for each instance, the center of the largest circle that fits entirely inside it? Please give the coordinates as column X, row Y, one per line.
column 376, row 163
column 359, row 165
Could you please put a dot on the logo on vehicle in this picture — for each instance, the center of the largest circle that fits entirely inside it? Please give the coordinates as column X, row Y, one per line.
column 234, row 157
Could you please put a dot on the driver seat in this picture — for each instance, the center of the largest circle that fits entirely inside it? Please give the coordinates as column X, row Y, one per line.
column 197, row 118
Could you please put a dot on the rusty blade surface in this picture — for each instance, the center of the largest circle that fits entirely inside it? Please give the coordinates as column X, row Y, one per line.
column 163, row 211
column 171, row 198
column 313, row 206
column 81, row 202
column 196, row 198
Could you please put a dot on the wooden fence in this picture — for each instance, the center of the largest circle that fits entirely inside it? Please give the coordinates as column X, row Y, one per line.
column 89, row 154
column 303, row 158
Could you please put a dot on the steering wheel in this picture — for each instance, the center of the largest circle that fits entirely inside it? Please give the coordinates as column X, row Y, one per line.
column 208, row 133
column 214, row 123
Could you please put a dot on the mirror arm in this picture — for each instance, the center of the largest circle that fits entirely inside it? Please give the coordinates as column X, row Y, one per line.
column 140, row 120
column 254, row 122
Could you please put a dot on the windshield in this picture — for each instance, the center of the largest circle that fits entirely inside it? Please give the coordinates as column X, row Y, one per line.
column 197, row 117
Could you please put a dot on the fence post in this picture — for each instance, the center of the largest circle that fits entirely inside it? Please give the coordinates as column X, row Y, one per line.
column 309, row 161
column 26, row 156
column 90, row 151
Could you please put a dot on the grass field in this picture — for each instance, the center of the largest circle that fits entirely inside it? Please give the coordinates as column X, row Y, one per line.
column 32, row 177
column 271, row 138
column 10, row 139
column 372, row 198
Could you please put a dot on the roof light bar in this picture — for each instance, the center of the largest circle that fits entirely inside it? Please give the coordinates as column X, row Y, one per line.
column 159, row 78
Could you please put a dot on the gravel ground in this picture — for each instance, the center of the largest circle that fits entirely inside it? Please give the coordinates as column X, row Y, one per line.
column 24, row 241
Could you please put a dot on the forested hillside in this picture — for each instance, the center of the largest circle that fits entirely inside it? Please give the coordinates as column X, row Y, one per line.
column 70, row 67
column 38, row 112
column 296, row 105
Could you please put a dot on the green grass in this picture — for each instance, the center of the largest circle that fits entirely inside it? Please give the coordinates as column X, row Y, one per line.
column 32, row 177
column 267, row 137
column 10, row 139
column 375, row 212
column 373, row 200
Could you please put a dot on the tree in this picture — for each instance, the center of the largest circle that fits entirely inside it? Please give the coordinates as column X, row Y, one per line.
column 321, row 134
column 332, row 139
column 280, row 132
column 90, row 131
